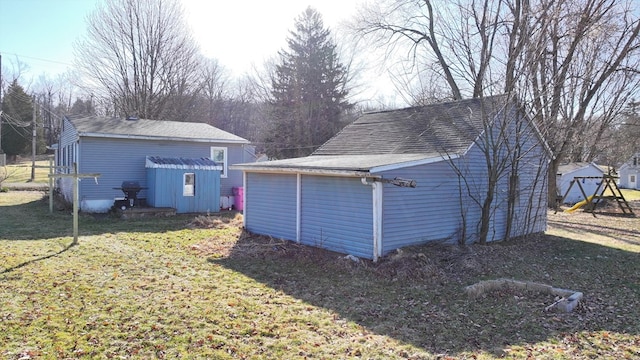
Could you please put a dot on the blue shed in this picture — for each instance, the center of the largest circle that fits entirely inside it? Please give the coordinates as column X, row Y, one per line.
column 187, row 185
column 405, row 177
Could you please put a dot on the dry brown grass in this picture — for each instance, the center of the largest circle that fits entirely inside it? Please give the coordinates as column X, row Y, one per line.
column 202, row 288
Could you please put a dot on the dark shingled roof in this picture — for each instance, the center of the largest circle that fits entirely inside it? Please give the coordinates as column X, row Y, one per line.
column 439, row 128
column 143, row 128
column 396, row 138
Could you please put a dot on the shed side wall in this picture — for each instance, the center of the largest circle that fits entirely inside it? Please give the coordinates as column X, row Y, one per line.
column 167, row 190
column 270, row 205
column 337, row 214
column 428, row 212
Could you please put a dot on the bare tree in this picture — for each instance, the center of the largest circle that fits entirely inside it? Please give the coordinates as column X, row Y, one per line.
column 573, row 62
column 139, row 57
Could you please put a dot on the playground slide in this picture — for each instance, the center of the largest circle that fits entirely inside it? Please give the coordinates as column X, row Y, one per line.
column 579, row 204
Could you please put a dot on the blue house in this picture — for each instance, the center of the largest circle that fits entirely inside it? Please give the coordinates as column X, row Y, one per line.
column 118, row 149
column 187, row 185
column 404, row 177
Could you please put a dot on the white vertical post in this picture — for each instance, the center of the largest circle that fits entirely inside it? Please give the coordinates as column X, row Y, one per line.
column 75, row 203
column 377, row 219
column 50, row 185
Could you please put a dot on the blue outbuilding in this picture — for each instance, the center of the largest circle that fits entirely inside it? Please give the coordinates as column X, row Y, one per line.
column 187, row 185
column 405, row 177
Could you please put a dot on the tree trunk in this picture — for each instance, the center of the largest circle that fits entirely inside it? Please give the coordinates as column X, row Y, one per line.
column 485, row 216
column 552, row 186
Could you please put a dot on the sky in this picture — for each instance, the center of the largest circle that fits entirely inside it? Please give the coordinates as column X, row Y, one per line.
column 240, row 34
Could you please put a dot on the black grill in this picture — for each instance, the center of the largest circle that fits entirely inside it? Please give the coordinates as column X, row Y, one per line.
column 130, row 190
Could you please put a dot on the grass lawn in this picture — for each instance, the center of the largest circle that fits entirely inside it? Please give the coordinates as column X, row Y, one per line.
column 201, row 288
column 21, row 172
column 630, row 195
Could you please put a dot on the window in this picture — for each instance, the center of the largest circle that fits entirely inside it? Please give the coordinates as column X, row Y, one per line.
column 635, row 161
column 189, row 181
column 219, row 155
column 632, row 179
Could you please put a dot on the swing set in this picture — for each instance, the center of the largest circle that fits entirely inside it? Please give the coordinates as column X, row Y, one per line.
column 590, row 202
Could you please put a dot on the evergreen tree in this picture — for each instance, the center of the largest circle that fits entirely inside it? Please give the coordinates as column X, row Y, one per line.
column 17, row 108
column 308, row 91
column 81, row 107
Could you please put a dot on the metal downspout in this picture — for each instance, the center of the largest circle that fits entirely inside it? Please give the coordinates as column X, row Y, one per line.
column 244, row 210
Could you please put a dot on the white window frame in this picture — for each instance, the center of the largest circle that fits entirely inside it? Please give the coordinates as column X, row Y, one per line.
column 188, row 189
column 223, row 173
column 633, row 178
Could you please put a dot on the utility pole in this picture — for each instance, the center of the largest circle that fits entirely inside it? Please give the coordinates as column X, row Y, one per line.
column 2, row 155
column 33, row 141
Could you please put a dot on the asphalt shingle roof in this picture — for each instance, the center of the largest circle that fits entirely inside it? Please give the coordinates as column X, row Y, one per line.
column 439, row 128
column 397, row 137
column 117, row 127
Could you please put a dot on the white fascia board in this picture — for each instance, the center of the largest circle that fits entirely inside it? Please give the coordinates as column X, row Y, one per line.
column 318, row 172
column 403, row 165
column 164, row 138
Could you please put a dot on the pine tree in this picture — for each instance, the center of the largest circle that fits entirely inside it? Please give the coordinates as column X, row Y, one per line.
column 308, row 94
column 17, row 109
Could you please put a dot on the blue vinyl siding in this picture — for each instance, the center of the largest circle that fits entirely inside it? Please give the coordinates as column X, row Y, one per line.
column 531, row 209
column 270, row 205
column 433, row 211
column 337, row 215
column 428, row 212
column 119, row 160
column 166, row 190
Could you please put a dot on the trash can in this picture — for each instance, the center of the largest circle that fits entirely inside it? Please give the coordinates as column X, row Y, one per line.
column 238, row 198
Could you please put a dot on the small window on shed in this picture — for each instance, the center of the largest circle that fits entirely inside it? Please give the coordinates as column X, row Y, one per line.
column 632, row 178
column 189, row 184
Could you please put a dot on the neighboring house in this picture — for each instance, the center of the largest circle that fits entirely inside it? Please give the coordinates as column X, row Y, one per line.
column 117, row 149
column 344, row 197
column 629, row 173
column 567, row 172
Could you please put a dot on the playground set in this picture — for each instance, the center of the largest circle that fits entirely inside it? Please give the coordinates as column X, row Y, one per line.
column 591, row 201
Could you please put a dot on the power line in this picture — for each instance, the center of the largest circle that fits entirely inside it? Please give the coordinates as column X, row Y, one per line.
column 37, row 58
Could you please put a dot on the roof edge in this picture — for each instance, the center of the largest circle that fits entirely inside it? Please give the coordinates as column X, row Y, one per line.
column 406, row 164
column 167, row 138
column 302, row 171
